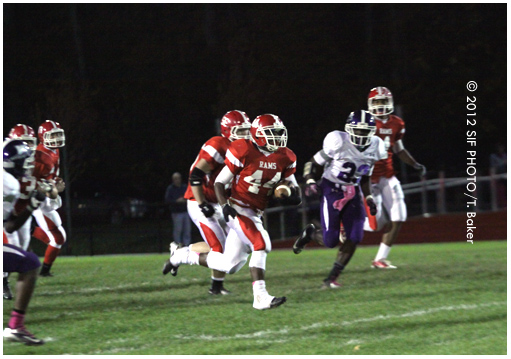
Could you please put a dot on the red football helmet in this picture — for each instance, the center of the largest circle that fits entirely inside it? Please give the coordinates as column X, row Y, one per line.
column 51, row 134
column 380, row 101
column 235, row 125
column 269, row 132
column 24, row 133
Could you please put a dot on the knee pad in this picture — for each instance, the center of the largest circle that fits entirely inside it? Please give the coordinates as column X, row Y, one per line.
column 258, row 259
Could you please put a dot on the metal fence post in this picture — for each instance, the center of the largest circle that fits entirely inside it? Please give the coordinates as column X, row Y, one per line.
column 282, row 217
column 440, row 193
column 424, row 197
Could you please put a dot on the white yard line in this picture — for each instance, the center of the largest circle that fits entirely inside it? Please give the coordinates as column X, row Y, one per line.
column 271, row 336
column 307, row 328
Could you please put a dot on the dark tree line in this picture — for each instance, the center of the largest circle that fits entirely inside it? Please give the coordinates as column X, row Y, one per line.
column 138, row 87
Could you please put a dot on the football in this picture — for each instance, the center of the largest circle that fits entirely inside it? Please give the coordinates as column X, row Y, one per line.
column 283, row 189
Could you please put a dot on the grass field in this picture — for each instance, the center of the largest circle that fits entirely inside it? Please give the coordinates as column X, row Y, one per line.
column 445, row 298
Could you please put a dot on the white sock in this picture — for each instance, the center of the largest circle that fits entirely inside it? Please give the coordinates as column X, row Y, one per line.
column 383, row 252
column 184, row 256
column 259, row 288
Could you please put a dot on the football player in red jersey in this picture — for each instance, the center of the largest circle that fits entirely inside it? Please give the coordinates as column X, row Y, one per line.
column 203, row 206
column 386, row 188
column 253, row 168
column 47, row 163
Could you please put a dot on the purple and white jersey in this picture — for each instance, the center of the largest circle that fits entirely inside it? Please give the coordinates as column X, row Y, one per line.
column 11, row 193
column 343, row 162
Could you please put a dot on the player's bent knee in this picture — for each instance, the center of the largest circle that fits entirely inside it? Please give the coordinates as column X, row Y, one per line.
column 237, row 267
column 31, row 262
column 331, row 238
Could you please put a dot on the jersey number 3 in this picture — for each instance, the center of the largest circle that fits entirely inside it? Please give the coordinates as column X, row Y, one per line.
column 351, row 169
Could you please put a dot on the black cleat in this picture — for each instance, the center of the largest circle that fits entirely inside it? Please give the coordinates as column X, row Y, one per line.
column 277, row 301
column 7, row 289
column 168, row 267
column 304, row 238
column 45, row 271
column 221, row 291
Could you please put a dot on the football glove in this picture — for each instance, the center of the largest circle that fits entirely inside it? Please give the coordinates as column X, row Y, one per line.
column 207, row 209
column 312, row 189
column 371, row 205
column 45, row 185
column 36, row 198
column 228, row 212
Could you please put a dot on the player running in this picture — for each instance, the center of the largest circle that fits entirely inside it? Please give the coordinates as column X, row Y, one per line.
column 203, row 207
column 253, row 168
column 386, row 188
column 18, row 164
column 47, row 167
column 21, row 237
column 347, row 160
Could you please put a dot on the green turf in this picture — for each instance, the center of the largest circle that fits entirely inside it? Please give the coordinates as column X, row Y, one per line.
column 443, row 299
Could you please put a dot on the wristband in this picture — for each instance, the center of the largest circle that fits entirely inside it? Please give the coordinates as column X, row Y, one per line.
column 370, row 197
column 310, row 180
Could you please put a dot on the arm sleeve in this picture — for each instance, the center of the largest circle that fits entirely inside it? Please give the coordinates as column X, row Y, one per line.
column 225, row 176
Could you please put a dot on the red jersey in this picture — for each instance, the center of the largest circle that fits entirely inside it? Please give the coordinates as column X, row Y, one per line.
column 256, row 173
column 213, row 152
column 390, row 132
column 47, row 162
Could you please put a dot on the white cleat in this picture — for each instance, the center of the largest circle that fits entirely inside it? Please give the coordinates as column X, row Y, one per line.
column 268, row 302
column 382, row 264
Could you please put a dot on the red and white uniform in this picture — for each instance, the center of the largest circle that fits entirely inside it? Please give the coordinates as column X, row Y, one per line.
column 253, row 174
column 257, row 172
column 212, row 229
column 386, row 188
column 49, row 230
column 390, row 131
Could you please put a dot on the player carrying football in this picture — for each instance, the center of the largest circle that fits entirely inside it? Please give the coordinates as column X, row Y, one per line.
column 347, row 160
column 253, row 168
column 387, row 191
column 203, row 206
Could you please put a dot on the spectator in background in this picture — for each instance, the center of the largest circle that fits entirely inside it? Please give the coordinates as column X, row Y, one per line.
column 174, row 197
column 498, row 161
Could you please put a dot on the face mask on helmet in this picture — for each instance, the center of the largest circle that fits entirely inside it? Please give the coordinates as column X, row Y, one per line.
column 380, row 101
column 240, row 132
column 54, row 138
column 269, row 133
column 235, row 125
column 361, row 127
